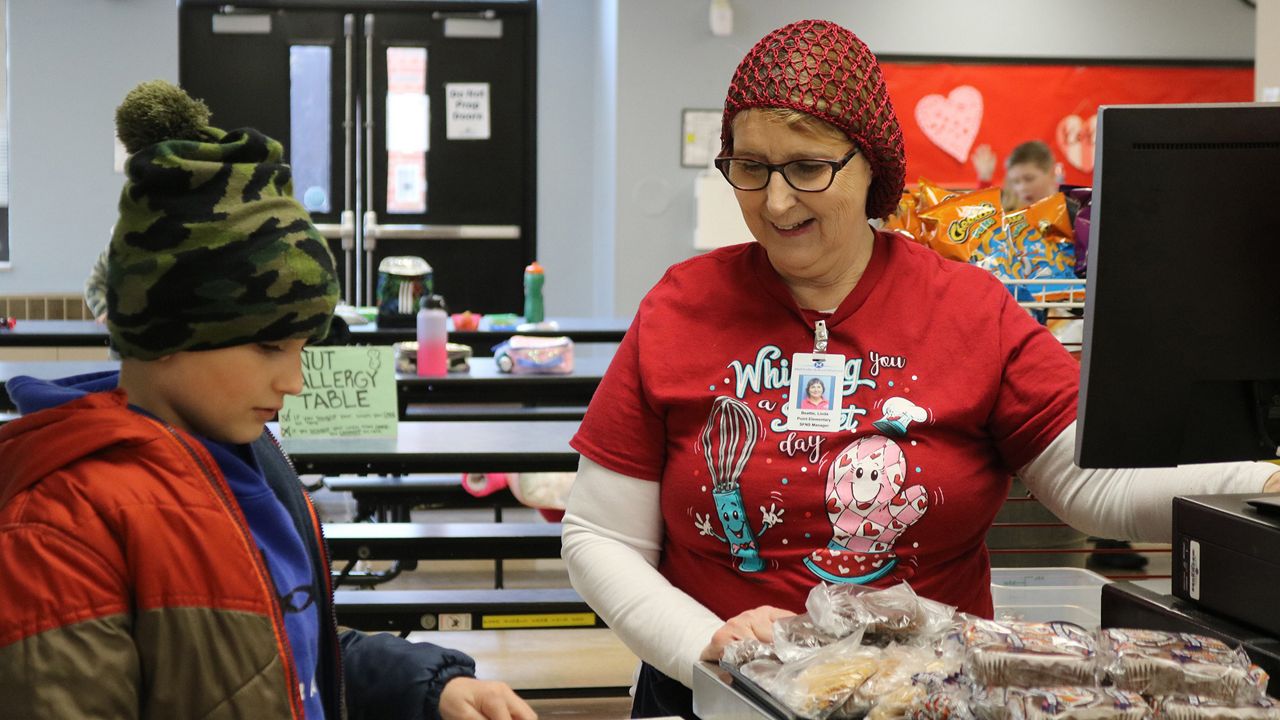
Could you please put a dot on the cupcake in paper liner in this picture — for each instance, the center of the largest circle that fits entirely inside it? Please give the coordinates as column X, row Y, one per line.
column 1198, row 707
column 1027, row 654
column 1155, row 662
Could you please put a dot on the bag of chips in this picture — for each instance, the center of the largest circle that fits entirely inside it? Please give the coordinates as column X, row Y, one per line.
column 906, row 218
column 930, row 195
column 960, row 225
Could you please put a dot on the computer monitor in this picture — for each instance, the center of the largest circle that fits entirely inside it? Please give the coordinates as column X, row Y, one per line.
column 1181, row 354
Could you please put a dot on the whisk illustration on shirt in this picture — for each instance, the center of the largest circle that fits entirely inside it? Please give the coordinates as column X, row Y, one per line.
column 728, row 438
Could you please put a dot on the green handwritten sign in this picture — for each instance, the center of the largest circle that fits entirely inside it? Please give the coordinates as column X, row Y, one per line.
column 349, row 392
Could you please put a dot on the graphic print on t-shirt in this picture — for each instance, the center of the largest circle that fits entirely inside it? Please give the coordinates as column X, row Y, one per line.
column 868, row 508
column 727, row 441
column 866, row 495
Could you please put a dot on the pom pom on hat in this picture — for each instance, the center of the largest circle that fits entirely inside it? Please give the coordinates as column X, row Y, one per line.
column 156, row 111
column 824, row 70
column 211, row 249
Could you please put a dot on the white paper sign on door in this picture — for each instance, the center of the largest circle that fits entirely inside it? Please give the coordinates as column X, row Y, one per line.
column 466, row 111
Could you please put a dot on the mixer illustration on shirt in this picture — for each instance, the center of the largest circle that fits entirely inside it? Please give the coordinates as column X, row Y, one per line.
column 866, row 497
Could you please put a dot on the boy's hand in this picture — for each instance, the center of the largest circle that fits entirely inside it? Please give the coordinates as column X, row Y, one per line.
column 1273, row 484
column 984, row 161
column 466, row 698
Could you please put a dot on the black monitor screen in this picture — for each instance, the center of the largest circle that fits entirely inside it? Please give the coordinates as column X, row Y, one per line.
column 1181, row 355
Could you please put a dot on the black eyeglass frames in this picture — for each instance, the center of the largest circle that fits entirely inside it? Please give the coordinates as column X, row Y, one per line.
column 805, row 175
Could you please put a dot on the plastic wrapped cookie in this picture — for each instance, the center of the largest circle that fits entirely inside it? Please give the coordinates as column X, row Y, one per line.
column 1027, row 654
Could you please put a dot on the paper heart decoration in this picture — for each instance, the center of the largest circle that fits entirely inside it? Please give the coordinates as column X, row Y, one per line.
column 1075, row 140
column 951, row 122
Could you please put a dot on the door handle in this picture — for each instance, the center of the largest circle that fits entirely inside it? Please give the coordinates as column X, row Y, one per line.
column 347, row 228
column 344, row 230
column 448, row 232
column 394, row 231
column 369, row 239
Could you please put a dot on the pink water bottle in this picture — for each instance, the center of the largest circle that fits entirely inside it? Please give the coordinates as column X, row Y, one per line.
column 433, row 333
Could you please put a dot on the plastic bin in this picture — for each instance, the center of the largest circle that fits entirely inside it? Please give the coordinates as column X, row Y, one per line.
column 1048, row 593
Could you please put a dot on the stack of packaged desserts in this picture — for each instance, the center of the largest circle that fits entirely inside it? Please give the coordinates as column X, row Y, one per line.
column 886, row 654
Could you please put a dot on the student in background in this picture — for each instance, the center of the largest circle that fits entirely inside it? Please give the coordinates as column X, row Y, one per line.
column 159, row 555
column 1031, row 173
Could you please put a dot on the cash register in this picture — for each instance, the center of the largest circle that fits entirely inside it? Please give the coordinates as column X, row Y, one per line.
column 1181, row 354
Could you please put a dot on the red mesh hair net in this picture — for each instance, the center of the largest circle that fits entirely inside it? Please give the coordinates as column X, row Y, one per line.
column 821, row 69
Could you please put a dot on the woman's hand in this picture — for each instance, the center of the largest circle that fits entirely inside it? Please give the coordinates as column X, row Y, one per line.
column 1273, row 484
column 466, row 698
column 754, row 623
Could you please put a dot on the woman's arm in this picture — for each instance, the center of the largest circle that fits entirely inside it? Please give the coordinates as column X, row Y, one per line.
column 612, row 542
column 1135, row 503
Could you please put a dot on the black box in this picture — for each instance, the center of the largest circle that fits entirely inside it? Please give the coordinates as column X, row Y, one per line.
column 1125, row 605
column 1226, row 559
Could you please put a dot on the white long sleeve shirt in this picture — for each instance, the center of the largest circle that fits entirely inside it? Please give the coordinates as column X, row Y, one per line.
column 613, row 532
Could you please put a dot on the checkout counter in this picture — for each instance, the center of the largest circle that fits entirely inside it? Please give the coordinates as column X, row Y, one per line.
column 1226, row 585
column 1226, row 578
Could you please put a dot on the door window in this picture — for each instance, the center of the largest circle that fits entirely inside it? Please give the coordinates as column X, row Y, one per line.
column 408, row 130
column 310, row 125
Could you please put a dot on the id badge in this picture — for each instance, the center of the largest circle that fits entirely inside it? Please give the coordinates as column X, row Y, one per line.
column 817, row 383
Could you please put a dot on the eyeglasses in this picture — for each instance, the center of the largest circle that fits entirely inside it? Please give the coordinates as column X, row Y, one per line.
column 807, row 175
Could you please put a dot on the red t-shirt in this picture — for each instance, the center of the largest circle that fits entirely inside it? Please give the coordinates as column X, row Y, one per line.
column 949, row 386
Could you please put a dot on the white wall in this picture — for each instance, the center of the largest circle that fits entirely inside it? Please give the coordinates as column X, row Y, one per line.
column 70, row 63
column 1267, row 63
column 574, row 146
column 614, row 206
column 668, row 60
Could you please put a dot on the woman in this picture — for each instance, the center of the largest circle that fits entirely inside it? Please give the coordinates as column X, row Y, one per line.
column 814, row 391
column 703, row 510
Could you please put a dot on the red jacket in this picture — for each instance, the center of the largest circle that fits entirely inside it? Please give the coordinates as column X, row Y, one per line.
column 133, row 587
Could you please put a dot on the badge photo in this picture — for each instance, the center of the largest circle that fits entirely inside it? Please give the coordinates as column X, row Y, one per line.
column 815, row 393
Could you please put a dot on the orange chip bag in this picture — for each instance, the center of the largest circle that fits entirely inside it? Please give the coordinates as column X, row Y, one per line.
column 1038, row 235
column 964, row 222
column 930, row 195
column 1051, row 218
column 905, row 219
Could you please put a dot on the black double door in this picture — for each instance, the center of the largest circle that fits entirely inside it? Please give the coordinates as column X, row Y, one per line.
column 410, row 127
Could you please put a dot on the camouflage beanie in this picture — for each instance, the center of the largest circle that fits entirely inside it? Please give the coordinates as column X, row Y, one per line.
column 211, row 249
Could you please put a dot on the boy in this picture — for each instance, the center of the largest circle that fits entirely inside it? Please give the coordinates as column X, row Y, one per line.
column 1031, row 172
column 160, row 559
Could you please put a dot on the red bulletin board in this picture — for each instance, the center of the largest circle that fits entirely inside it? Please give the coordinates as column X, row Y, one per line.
column 948, row 109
